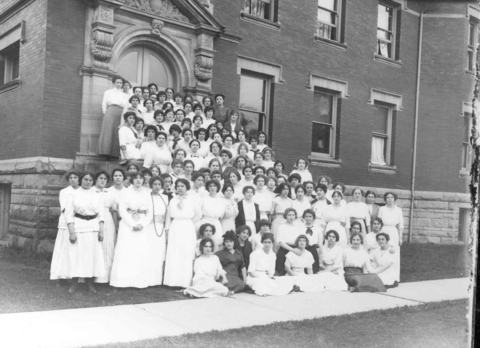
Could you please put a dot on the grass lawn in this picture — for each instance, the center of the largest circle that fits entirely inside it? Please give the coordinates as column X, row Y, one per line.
column 433, row 325
column 25, row 284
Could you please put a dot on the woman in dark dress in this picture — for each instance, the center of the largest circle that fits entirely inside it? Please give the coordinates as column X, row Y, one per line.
column 232, row 263
column 243, row 244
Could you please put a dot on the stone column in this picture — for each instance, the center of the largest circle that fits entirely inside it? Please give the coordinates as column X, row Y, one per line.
column 203, row 65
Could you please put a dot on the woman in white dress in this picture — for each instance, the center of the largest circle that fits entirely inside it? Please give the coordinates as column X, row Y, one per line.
column 84, row 216
column 234, row 179
column 339, row 187
column 148, row 116
column 318, row 206
column 130, row 263
column 358, row 211
column 149, row 141
column 57, row 267
column 208, row 269
column 195, row 155
column 231, row 208
column 213, row 209
column 299, row 266
column 262, row 140
column 261, row 271
column 331, row 263
column 269, row 161
column 300, row 203
column 392, row 217
column 385, row 265
column 302, row 170
column 279, row 205
column 287, row 235
column 371, row 240
column 128, row 139
column 114, row 101
column 359, row 274
column 325, row 180
column 109, row 231
column 159, row 155
column 337, row 219
column 182, row 215
column 156, row 236
column 263, row 197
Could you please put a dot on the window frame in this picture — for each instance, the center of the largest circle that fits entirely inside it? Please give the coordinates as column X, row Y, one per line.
column 393, row 42
column 466, row 144
column 333, row 130
column 388, row 135
column 338, row 25
column 271, row 22
column 471, row 47
column 11, row 70
column 268, row 81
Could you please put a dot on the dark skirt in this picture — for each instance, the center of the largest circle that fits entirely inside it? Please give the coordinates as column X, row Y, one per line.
column 280, row 263
column 235, row 283
column 316, row 260
column 108, row 143
column 363, row 282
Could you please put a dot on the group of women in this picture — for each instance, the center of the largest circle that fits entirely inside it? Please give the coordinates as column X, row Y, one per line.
column 213, row 213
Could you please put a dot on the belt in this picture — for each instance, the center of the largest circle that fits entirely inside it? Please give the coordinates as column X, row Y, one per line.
column 86, row 217
column 131, row 211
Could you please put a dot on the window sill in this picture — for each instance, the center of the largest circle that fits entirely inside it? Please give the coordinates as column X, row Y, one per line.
column 376, row 168
column 329, row 162
column 469, row 72
column 389, row 61
column 331, row 43
column 260, row 21
column 464, row 173
column 9, row 86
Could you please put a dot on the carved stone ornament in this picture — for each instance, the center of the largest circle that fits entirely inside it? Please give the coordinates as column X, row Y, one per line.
column 203, row 68
column 157, row 26
column 101, row 48
column 162, row 8
column 105, row 15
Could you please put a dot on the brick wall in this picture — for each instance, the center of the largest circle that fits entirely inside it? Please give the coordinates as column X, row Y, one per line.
column 63, row 83
column 21, row 108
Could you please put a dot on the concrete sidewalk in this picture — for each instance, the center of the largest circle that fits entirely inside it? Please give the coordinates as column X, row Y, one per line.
column 101, row 325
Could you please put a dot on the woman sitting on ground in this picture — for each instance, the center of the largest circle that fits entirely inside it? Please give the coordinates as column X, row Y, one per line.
column 207, row 270
column 232, row 263
column 332, row 263
column 262, row 269
column 359, row 274
column 384, row 261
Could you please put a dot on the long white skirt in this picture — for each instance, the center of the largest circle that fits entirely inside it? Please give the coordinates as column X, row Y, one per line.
column 342, row 234
column 180, row 253
column 206, row 288
column 156, row 250
column 265, row 286
column 334, row 282
column 84, row 258
column 393, row 234
column 310, row 283
column 130, row 262
column 108, row 246
column 57, row 268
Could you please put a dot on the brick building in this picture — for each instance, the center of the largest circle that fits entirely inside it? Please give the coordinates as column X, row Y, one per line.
column 376, row 93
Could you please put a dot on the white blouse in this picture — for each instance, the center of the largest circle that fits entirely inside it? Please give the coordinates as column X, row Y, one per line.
column 88, row 203
column 264, row 199
column 135, row 207
column 128, row 137
column 356, row 258
column 262, row 262
column 114, row 97
column 158, row 156
column 62, row 223
column 299, row 263
column 304, row 174
column 336, row 214
column 146, row 146
column 301, row 206
column 288, row 233
column 359, row 210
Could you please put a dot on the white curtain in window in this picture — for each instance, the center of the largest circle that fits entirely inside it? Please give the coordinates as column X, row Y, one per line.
column 383, row 48
column 247, row 6
column 258, row 8
column 378, row 151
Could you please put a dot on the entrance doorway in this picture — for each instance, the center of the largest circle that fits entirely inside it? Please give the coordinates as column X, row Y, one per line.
column 142, row 65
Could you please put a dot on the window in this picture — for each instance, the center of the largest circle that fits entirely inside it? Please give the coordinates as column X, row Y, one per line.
column 463, row 224
column 254, row 102
column 263, row 9
column 382, row 134
column 328, row 20
column 472, row 39
column 9, row 63
column 324, row 123
column 386, row 31
column 466, row 149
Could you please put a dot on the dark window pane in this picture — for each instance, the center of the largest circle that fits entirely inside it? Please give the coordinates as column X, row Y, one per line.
column 252, row 93
column 252, row 122
column 321, row 138
column 471, row 35
column 466, row 156
column 2, row 71
column 470, row 60
column 380, row 119
column 323, row 107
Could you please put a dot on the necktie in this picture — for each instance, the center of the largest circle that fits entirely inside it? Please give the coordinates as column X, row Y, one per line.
column 175, row 142
column 309, row 231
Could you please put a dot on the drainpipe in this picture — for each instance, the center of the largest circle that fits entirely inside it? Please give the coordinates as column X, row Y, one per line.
column 415, row 130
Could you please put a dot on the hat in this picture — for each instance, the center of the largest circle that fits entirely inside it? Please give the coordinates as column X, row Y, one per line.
column 230, row 235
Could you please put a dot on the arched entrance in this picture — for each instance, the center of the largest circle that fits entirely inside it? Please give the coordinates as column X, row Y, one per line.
column 142, row 64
